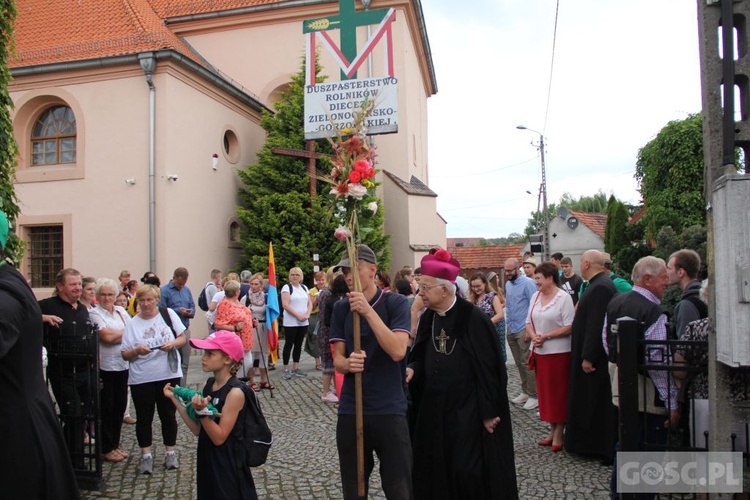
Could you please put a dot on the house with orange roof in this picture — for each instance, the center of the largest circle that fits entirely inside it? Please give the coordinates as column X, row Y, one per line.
column 573, row 232
column 485, row 258
column 132, row 118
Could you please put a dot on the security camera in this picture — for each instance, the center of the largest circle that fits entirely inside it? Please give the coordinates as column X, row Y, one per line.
column 172, row 178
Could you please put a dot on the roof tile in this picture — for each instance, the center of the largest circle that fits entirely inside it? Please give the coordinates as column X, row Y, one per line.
column 68, row 30
column 488, row 256
column 595, row 221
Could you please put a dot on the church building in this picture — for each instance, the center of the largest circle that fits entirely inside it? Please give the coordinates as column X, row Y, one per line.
column 132, row 118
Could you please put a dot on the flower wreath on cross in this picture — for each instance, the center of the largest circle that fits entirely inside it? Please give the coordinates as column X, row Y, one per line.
column 353, row 200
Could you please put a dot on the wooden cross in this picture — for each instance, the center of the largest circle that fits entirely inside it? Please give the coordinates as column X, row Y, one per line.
column 311, row 156
column 346, row 22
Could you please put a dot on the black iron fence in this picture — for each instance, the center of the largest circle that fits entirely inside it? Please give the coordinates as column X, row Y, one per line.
column 643, row 413
column 73, row 376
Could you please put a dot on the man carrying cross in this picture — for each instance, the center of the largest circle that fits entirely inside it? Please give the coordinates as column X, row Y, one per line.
column 462, row 438
column 385, row 322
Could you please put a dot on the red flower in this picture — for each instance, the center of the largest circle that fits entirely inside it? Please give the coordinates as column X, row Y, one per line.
column 361, row 165
column 369, row 173
column 355, row 176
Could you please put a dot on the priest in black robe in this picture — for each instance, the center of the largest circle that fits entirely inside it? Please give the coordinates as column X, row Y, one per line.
column 462, row 437
column 591, row 428
column 33, row 457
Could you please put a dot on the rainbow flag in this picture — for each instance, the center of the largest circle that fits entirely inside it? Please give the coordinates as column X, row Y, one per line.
column 272, row 307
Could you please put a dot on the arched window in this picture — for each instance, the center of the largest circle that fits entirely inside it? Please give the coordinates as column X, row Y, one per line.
column 53, row 139
column 234, row 232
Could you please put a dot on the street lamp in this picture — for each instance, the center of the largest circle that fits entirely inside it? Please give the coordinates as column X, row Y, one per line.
column 543, row 190
column 538, row 197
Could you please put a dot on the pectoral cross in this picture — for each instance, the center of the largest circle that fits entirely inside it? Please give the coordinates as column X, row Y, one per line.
column 442, row 341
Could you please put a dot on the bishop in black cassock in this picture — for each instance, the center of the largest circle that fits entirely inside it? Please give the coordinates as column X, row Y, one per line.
column 462, row 437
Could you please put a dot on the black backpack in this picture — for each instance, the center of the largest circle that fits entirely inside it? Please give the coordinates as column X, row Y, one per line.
column 202, row 299
column 252, row 432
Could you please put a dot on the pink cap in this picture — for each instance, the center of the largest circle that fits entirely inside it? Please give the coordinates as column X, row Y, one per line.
column 440, row 264
column 223, row 340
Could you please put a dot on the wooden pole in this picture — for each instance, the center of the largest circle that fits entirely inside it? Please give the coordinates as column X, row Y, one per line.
column 358, row 409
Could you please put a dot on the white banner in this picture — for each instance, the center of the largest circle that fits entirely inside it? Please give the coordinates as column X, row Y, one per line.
column 329, row 105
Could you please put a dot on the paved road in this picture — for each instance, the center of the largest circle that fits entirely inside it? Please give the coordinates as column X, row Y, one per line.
column 303, row 462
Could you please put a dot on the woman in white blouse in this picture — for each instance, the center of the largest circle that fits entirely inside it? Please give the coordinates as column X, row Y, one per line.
column 297, row 305
column 111, row 321
column 549, row 324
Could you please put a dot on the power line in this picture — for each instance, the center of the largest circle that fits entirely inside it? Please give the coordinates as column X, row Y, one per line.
column 551, row 67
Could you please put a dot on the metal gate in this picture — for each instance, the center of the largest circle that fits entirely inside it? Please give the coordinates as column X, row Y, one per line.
column 73, row 376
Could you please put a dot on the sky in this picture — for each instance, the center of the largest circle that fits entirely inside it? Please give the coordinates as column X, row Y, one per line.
column 622, row 71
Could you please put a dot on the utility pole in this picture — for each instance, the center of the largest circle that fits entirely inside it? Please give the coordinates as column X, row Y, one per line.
column 543, row 191
column 544, row 199
column 726, row 195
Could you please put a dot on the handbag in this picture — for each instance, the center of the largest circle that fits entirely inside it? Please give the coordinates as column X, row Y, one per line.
column 531, row 362
column 172, row 359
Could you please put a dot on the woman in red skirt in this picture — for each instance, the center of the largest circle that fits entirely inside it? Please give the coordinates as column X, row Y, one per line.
column 549, row 324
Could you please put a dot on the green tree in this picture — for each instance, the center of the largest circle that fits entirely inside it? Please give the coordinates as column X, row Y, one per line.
column 670, row 172
column 617, row 221
column 8, row 148
column 626, row 256
column 276, row 205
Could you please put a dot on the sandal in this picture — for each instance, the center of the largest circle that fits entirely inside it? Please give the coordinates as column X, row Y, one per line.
column 113, row 457
column 319, row 367
column 255, row 387
column 267, row 385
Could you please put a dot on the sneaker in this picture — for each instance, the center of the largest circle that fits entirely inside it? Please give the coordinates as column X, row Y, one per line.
column 287, row 375
column 147, row 465
column 330, row 398
column 531, row 404
column 170, row 461
column 520, row 399
column 299, row 373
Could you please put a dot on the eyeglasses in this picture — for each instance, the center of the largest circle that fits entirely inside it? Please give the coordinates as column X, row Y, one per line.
column 424, row 288
column 508, row 271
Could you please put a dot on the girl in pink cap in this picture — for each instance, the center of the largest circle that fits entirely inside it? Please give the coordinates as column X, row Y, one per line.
column 219, row 476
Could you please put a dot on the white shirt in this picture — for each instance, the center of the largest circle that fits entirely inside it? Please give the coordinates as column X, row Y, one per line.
column 110, row 357
column 211, row 315
column 556, row 313
column 297, row 301
column 153, row 366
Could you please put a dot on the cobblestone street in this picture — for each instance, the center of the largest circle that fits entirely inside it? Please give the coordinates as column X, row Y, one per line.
column 303, row 462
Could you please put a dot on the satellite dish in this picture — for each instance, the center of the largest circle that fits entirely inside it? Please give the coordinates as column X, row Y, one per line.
column 573, row 222
column 563, row 213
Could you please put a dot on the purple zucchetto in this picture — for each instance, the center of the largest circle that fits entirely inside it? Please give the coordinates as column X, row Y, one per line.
column 440, row 264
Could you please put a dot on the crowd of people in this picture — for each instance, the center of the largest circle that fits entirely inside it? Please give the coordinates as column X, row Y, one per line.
column 423, row 334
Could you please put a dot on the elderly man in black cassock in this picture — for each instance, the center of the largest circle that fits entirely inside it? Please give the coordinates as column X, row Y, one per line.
column 34, row 462
column 462, row 436
column 592, row 419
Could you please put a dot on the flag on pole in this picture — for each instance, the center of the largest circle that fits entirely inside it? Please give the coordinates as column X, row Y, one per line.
column 272, row 307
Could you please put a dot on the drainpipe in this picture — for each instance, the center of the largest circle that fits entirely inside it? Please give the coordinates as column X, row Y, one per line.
column 148, row 63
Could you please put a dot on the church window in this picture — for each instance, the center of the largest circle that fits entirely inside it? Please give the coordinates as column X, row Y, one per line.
column 45, row 254
column 53, row 138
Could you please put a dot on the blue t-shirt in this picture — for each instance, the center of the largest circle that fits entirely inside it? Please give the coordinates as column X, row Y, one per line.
column 518, row 295
column 383, row 378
